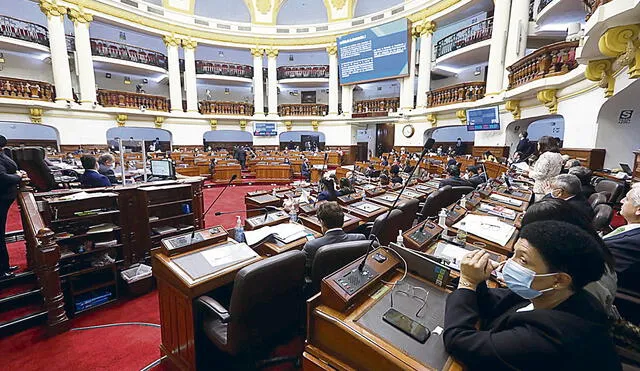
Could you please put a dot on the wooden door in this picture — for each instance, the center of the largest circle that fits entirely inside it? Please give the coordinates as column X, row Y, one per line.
column 363, row 147
column 384, row 138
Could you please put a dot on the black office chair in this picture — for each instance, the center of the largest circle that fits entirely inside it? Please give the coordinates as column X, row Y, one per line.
column 409, row 209
column 438, row 199
column 597, row 199
column 603, row 216
column 31, row 160
column 614, row 189
column 459, row 191
column 267, row 302
column 387, row 230
column 330, row 258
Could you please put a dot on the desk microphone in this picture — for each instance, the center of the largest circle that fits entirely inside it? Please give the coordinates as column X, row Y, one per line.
column 233, row 177
column 427, row 146
column 266, row 209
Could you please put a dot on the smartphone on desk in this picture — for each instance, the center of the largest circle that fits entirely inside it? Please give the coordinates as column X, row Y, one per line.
column 406, row 325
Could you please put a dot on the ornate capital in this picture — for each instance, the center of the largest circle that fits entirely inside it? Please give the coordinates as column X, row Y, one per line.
column 213, row 123
column 51, row 9
column 332, row 49
column 121, row 119
column 257, row 52
column 602, row 72
column 462, row 116
column 80, row 16
column 288, row 125
column 433, row 119
column 513, row 106
column 623, row 44
column 158, row 122
column 189, row 44
column 423, row 27
column 263, row 6
column 549, row 99
column 171, row 40
column 36, row 115
column 315, row 124
column 272, row 53
column 338, row 4
column 243, row 124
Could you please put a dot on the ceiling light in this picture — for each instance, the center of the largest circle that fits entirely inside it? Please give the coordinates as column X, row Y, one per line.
column 291, row 57
column 107, row 75
column 127, row 80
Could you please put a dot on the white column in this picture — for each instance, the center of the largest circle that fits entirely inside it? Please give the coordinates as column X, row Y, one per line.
column 495, row 73
column 333, row 79
column 347, row 99
column 517, row 39
column 258, row 83
column 58, row 47
column 409, row 82
column 189, row 47
column 272, row 80
column 425, row 30
column 175, row 87
column 86, row 74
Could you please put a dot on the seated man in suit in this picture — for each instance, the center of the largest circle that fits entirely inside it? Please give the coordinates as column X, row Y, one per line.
column 331, row 218
column 395, row 176
column 476, row 175
column 105, row 167
column 568, row 188
column 454, row 179
column 305, row 170
column 91, row 178
column 584, row 174
column 624, row 242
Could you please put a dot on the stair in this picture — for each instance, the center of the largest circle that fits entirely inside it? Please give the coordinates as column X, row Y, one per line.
column 21, row 304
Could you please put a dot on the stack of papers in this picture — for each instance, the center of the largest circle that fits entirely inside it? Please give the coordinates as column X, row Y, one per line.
column 488, row 227
column 101, row 228
column 506, row 200
column 285, row 233
column 498, row 211
column 452, row 253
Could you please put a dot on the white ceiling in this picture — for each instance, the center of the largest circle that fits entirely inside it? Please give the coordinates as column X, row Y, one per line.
column 302, row 12
column 364, row 7
column 230, row 10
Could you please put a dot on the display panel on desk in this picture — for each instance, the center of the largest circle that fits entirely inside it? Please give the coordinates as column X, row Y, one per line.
column 480, row 119
column 265, row 129
column 378, row 53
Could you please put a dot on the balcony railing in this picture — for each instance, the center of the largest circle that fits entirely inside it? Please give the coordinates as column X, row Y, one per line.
column 26, row 89
column 124, row 99
column 71, row 43
column 531, row 7
column 303, row 72
column 375, row 107
column 303, row 109
column 543, row 4
column 592, row 5
column 469, row 35
column 551, row 60
column 23, row 30
column 458, row 93
column 224, row 69
column 209, row 107
column 110, row 49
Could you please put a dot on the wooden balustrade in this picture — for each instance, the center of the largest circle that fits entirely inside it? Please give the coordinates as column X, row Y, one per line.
column 592, row 5
column 26, row 89
column 469, row 35
column 458, row 93
column 303, row 109
column 124, row 99
column 23, row 30
column 209, row 107
column 376, row 107
column 224, row 69
column 543, row 4
column 551, row 60
column 110, row 49
column 303, row 72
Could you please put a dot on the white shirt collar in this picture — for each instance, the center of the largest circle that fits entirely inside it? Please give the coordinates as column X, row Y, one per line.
column 528, row 308
column 333, row 229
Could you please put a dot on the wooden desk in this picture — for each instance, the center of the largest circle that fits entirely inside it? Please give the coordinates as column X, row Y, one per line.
column 350, row 198
column 223, row 173
column 354, row 209
column 593, row 158
column 273, row 218
column 312, row 222
column 489, row 245
column 276, row 247
column 521, row 208
column 177, row 292
column 316, row 174
column 273, row 172
column 387, row 199
column 260, row 201
column 189, row 171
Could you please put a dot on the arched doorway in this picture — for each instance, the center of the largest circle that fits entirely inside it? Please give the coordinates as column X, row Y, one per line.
column 305, row 140
column 446, row 136
column 227, row 139
column 536, row 127
column 131, row 133
column 24, row 133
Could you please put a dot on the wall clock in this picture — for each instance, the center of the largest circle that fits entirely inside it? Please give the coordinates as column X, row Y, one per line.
column 408, row 130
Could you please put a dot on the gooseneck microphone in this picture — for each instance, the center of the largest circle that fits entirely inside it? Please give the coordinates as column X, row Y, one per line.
column 427, row 146
column 233, row 177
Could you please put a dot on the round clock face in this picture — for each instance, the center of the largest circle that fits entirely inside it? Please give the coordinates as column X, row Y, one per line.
column 408, row 130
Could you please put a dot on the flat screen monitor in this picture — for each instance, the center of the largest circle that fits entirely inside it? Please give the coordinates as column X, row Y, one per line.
column 486, row 118
column 265, row 129
column 162, row 168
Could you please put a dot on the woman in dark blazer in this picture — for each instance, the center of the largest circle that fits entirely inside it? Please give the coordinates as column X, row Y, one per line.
column 9, row 179
column 544, row 320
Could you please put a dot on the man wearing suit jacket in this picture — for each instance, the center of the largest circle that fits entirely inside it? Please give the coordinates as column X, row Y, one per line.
column 9, row 179
column 305, row 169
column 568, row 188
column 624, row 242
column 454, row 178
column 331, row 218
column 105, row 167
column 91, row 177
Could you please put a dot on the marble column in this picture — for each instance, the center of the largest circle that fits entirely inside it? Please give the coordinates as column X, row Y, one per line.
column 58, row 48
column 332, row 50
column 495, row 72
column 189, row 47
column 86, row 74
column 347, row 99
column 258, row 82
column 408, row 83
column 175, row 87
column 518, row 32
column 272, row 80
column 424, row 30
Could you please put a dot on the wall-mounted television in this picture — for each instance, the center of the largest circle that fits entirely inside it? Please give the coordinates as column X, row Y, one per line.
column 486, row 118
column 265, row 129
column 308, row 97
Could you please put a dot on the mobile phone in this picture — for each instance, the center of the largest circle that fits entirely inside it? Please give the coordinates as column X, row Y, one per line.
column 406, row 325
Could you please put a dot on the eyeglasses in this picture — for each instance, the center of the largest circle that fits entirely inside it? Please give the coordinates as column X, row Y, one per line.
column 417, row 293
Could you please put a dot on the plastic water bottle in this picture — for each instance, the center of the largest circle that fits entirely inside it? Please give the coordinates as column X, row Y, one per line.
column 273, row 193
column 461, row 236
column 239, row 230
column 293, row 216
column 442, row 218
column 463, row 201
column 364, row 196
column 400, row 239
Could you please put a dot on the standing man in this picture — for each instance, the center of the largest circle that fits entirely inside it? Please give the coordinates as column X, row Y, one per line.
column 242, row 156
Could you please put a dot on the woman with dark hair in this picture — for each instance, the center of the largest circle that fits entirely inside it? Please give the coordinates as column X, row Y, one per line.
column 488, row 156
column 328, row 190
column 548, row 165
column 544, row 319
column 558, row 209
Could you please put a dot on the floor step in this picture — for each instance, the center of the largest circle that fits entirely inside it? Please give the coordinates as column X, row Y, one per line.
column 25, row 322
column 14, row 301
column 18, row 278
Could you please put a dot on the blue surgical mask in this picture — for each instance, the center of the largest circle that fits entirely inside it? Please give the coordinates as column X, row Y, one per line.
column 519, row 279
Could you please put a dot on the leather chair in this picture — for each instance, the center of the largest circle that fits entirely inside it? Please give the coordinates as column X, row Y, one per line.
column 267, row 300
column 438, row 199
column 330, row 258
column 409, row 210
column 603, row 216
column 614, row 189
column 459, row 191
column 597, row 199
column 31, row 160
column 388, row 231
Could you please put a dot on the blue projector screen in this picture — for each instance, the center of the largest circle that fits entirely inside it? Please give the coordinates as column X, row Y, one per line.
column 379, row 53
column 483, row 119
column 265, row 129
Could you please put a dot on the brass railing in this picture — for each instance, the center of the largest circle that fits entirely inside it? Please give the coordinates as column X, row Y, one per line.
column 124, row 99
column 23, row 30
column 469, row 35
column 387, row 105
column 209, row 107
column 224, row 69
column 592, row 5
column 551, row 60
column 26, row 89
column 303, row 109
column 110, row 49
column 458, row 93
column 303, row 72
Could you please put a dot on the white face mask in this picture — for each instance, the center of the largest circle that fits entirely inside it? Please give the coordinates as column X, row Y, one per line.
column 519, row 279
